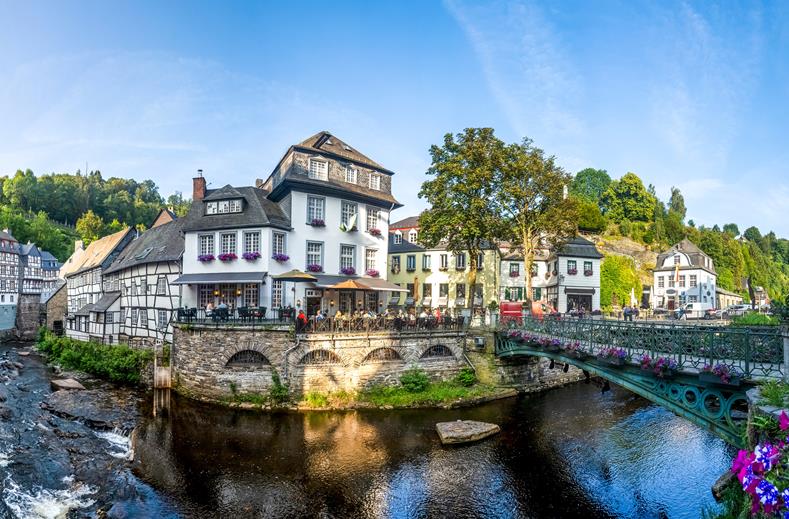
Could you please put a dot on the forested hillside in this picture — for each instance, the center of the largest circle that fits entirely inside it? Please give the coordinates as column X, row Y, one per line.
column 55, row 209
column 625, row 207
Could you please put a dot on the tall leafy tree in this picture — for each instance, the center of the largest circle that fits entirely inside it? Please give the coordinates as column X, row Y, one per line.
column 628, row 199
column 532, row 200
column 461, row 189
column 90, row 227
column 677, row 203
column 731, row 229
column 589, row 184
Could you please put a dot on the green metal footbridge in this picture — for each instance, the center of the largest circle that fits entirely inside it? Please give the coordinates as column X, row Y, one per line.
column 754, row 353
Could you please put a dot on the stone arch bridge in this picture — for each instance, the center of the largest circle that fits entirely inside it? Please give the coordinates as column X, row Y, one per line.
column 751, row 354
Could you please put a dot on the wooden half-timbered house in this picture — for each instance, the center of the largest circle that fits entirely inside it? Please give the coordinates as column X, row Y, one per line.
column 143, row 277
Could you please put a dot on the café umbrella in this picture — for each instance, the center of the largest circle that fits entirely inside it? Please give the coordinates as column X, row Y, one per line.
column 295, row 276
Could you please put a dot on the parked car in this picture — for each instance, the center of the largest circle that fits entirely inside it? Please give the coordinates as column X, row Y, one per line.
column 736, row 310
column 693, row 310
column 714, row 313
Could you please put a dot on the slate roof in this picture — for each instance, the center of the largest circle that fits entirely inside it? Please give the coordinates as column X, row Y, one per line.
column 6, row 235
column 47, row 256
column 258, row 211
column 162, row 243
column 325, row 142
column 29, row 249
column 695, row 254
column 405, row 223
column 94, row 254
column 580, row 248
column 403, row 246
column 46, row 296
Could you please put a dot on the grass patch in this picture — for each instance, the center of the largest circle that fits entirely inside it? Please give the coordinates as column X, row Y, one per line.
column 754, row 319
column 116, row 363
column 775, row 393
column 434, row 393
column 318, row 399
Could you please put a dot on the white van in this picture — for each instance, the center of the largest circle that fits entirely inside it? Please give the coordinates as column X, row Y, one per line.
column 694, row 310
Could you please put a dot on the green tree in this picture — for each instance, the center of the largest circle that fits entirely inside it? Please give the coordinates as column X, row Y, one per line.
column 589, row 184
column 531, row 198
column 677, row 203
column 731, row 229
column 179, row 205
column 589, row 217
column 753, row 234
column 618, row 276
column 464, row 180
column 627, row 198
column 90, row 227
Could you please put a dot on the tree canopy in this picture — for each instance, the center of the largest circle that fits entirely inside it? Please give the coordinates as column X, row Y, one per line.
column 589, row 184
column 628, row 199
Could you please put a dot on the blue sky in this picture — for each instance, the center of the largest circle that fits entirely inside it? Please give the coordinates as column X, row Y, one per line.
column 688, row 94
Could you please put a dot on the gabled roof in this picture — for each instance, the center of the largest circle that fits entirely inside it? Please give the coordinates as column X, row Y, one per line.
column 258, row 211
column 29, row 249
column 5, row 234
column 325, row 142
column 165, row 215
column 223, row 193
column 47, row 256
column 405, row 223
column 581, row 248
column 694, row 253
column 95, row 253
column 105, row 301
column 161, row 243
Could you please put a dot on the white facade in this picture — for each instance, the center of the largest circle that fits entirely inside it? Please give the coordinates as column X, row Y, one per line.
column 683, row 277
column 84, row 288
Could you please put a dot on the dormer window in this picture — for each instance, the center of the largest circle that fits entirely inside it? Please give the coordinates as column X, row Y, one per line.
column 375, row 181
column 223, row 207
column 351, row 174
column 412, row 235
column 318, row 169
column 398, row 238
column 676, row 259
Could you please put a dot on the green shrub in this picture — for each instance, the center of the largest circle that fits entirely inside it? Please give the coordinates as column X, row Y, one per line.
column 278, row 392
column 466, row 377
column 775, row 393
column 316, row 399
column 117, row 363
column 754, row 319
column 414, row 380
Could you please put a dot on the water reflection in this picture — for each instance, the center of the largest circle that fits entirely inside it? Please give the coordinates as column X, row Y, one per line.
column 568, row 453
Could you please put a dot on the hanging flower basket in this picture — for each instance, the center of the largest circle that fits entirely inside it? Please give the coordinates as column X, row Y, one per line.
column 280, row 258
column 372, row 273
column 314, row 267
column 720, row 374
column 251, row 256
column 205, row 258
column 572, row 272
column 317, row 222
column 348, row 271
column 587, row 272
column 374, row 231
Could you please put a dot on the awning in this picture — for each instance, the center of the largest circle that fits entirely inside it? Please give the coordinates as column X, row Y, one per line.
column 356, row 283
column 295, row 276
column 85, row 310
column 220, row 277
column 579, row 291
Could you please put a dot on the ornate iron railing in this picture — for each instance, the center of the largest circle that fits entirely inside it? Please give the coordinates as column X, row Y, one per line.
column 753, row 352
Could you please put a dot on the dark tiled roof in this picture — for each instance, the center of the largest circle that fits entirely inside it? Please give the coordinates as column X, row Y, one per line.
column 105, row 301
column 47, row 256
column 581, row 248
column 325, row 142
column 29, row 249
column 403, row 246
column 224, row 193
column 162, row 243
column 257, row 211
column 333, row 188
column 405, row 223
column 695, row 254
column 6, row 235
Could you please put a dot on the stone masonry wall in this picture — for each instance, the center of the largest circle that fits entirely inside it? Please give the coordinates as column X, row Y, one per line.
column 28, row 316
column 201, row 354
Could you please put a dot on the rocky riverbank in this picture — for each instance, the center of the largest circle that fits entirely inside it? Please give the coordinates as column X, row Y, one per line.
column 67, row 452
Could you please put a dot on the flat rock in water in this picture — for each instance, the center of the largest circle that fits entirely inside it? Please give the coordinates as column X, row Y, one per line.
column 66, row 383
column 96, row 408
column 464, row 431
column 23, row 353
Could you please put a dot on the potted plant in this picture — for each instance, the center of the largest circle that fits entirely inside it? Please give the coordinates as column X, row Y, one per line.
column 348, row 271
column 228, row 256
column 374, row 232
column 587, row 272
column 514, row 273
column 372, row 273
column 719, row 374
column 280, row 258
column 575, row 350
column 572, row 272
column 251, row 256
column 314, row 267
column 318, row 222
column 205, row 258
column 614, row 356
column 661, row 367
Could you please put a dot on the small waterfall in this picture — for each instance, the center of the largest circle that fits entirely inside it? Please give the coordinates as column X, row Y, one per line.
column 46, row 503
column 120, row 442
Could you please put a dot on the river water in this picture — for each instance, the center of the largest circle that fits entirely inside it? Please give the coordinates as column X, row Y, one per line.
column 569, row 452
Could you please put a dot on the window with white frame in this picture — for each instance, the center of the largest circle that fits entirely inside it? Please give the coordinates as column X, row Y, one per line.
column 426, row 263
column 412, row 235
column 410, row 262
column 206, row 244
column 347, row 212
column 161, row 286
column 227, row 243
column 316, row 208
column 676, row 259
column 515, row 269
column 398, row 238
column 369, row 259
column 109, row 318
column 375, row 181
column 373, row 216
column 278, row 243
column 276, row 293
column 661, row 282
column 693, row 280
column 144, row 317
column 347, row 256
column 134, row 316
column 351, row 174
column 318, row 169
column 460, row 261
column 443, row 261
column 205, row 295
column 252, row 241
column 161, row 319
column 315, row 253
column 144, row 286
column 223, row 206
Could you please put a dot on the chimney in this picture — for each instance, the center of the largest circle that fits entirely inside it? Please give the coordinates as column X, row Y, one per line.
column 77, row 245
column 198, row 186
